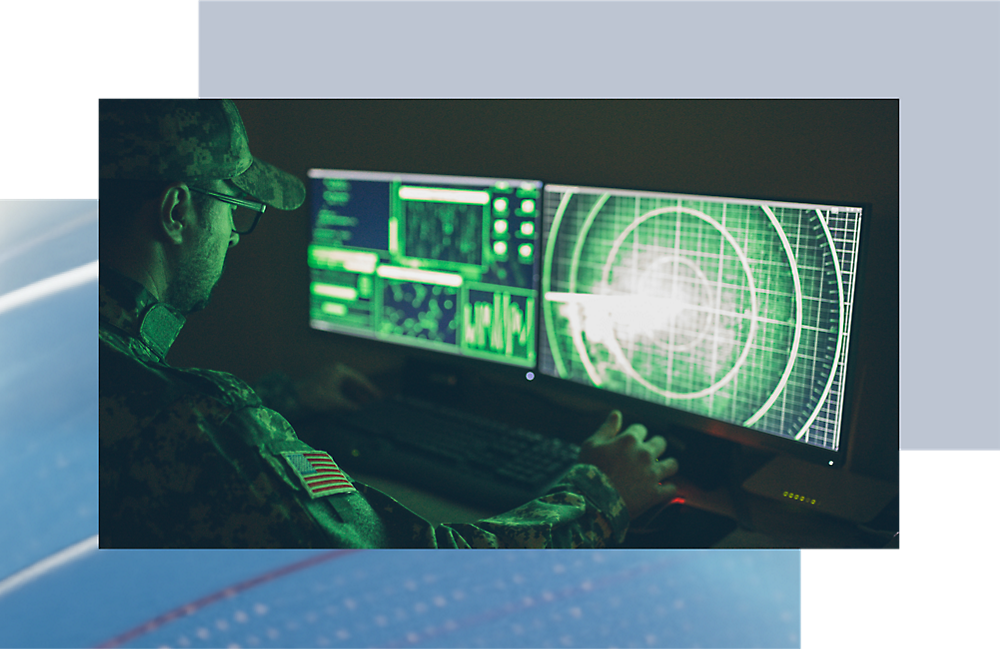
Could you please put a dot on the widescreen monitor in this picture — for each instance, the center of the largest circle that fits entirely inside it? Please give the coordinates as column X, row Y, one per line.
column 444, row 263
column 733, row 313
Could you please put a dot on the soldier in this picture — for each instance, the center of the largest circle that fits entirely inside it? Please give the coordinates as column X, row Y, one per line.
column 194, row 458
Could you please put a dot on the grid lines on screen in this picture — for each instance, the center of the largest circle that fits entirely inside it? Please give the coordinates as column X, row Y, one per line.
column 736, row 310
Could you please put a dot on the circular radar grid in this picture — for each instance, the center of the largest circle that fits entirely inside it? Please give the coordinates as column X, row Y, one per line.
column 701, row 305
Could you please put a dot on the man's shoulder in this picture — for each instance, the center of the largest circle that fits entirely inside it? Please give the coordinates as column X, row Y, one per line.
column 183, row 412
column 127, row 369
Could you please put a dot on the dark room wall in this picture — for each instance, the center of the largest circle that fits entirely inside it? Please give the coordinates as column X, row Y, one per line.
column 838, row 150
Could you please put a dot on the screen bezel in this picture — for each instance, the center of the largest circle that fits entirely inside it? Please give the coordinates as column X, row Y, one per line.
column 659, row 416
column 663, row 416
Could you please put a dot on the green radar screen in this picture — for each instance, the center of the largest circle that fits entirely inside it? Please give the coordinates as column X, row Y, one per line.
column 732, row 309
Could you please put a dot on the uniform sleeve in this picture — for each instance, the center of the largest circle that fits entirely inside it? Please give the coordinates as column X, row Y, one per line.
column 200, row 474
column 582, row 510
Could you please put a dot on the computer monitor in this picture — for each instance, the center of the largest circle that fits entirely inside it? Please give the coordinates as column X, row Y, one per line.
column 443, row 263
column 735, row 314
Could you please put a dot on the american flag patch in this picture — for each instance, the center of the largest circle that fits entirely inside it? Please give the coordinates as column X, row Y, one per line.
column 318, row 473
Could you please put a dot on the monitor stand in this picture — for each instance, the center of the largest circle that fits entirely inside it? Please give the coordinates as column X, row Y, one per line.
column 813, row 487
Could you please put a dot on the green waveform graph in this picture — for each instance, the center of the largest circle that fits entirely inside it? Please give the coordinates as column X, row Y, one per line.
column 499, row 323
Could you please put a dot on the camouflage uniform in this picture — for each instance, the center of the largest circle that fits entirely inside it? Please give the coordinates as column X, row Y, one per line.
column 192, row 458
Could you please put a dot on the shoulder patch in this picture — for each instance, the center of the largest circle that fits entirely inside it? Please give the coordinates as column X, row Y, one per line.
column 318, row 473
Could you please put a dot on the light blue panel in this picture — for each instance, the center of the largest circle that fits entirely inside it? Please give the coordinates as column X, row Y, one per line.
column 48, row 382
column 380, row 598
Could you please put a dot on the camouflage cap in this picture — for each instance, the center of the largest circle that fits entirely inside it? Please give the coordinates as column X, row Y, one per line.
column 190, row 140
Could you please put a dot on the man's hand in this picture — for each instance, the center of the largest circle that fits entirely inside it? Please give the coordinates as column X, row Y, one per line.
column 630, row 462
column 336, row 387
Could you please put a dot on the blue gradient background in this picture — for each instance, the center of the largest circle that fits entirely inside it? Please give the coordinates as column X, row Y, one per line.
column 48, row 384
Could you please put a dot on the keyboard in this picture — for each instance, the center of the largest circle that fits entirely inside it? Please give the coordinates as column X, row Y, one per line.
column 448, row 451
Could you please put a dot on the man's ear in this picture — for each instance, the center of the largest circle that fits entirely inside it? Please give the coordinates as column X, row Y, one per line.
column 176, row 213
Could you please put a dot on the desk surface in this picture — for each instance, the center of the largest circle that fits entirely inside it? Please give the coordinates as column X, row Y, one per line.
column 762, row 522
column 775, row 524
column 432, row 507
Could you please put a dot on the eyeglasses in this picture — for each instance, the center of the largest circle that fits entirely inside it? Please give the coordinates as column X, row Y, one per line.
column 245, row 216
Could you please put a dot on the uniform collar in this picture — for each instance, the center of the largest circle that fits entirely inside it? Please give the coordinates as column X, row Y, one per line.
column 127, row 305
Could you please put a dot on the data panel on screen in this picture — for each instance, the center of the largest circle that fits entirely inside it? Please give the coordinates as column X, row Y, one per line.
column 738, row 310
column 443, row 263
